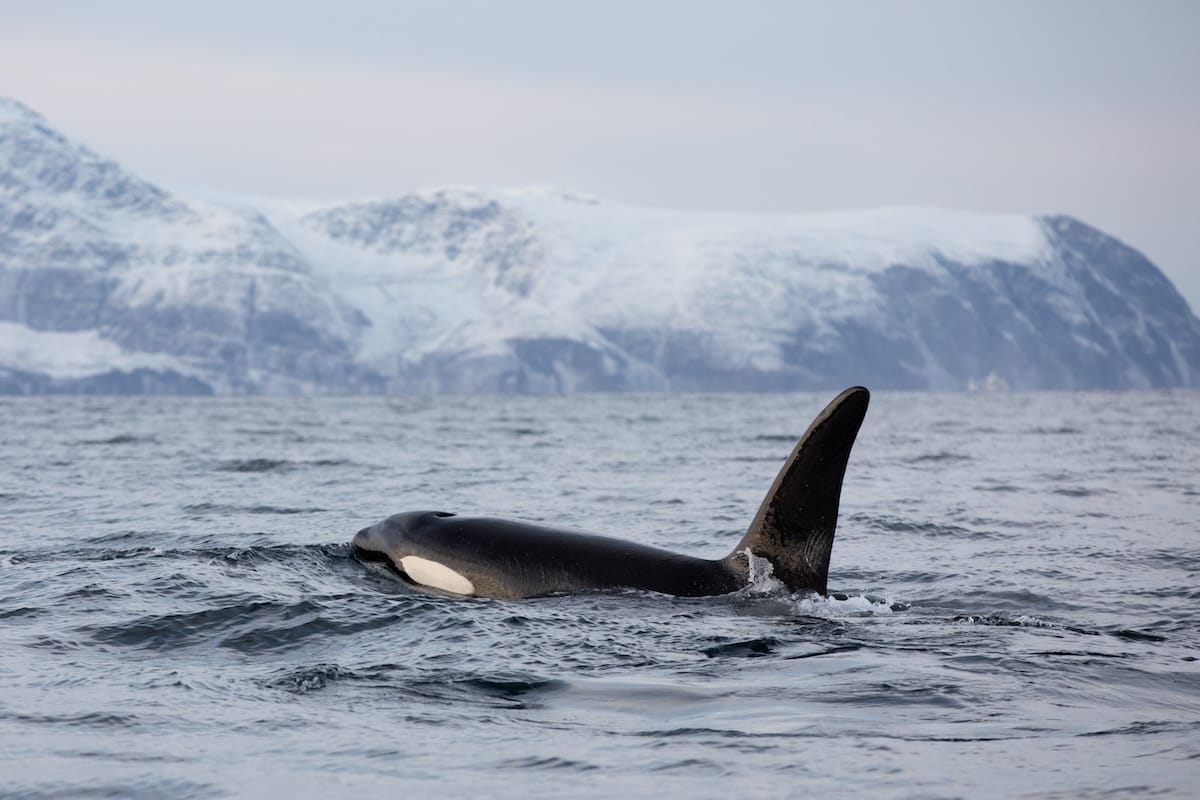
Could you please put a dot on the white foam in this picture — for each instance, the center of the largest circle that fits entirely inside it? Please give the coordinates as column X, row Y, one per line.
column 814, row 605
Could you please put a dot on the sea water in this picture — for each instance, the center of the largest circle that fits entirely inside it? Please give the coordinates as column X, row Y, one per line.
column 1016, row 606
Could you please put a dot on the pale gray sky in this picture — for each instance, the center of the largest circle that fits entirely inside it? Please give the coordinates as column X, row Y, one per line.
column 1088, row 107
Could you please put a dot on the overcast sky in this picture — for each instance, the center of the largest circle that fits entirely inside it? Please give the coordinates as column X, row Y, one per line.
column 1090, row 108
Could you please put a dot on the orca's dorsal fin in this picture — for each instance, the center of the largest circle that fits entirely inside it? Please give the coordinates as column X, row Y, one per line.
column 794, row 526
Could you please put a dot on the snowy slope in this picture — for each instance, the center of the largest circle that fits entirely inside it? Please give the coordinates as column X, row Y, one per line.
column 540, row 290
column 86, row 246
column 461, row 289
column 41, row 362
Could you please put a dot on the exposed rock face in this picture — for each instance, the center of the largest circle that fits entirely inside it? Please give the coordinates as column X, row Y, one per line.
column 111, row 284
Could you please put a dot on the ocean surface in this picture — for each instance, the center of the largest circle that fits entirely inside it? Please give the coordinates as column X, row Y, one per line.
column 1017, row 607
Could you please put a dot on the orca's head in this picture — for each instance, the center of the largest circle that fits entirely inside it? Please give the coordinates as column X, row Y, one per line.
column 400, row 544
column 381, row 541
column 369, row 544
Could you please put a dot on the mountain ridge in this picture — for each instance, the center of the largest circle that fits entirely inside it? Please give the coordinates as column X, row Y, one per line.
column 537, row 290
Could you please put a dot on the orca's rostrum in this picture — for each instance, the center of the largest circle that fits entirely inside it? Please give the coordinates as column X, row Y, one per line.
column 479, row 556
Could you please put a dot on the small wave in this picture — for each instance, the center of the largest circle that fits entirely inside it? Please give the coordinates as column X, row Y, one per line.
column 998, row 487
column 522, row 431
column 1176, row 558
column 1006, row 621
column 690, row 766
column 309, row 679
column 899, row 525
column 268, row 553
column 887, row 694
column 127, row 757
column 93, row 593
column 1022, row 600
column 123, row 438
column 498, row 691
column 509, row 686
column 171, row 631
column 750, row 648
column 776, row 437
column 276, row 464
column 941, row 457
column 251, row 554
column 1138, row 636
column 1081, row 656
column 1148, row 727
column 768, row 645
column 143, row 786
column 670, row 733
column 222, row 509
column 278, row 433
column 406, row 406
column 253, row 465
column 132, row 552
column 56, row 644
column 281, row 510
column 23, row 611
column 85, row 720
column 548, row 763
column 901, row 576
column 1079, row 491
column 117, row 536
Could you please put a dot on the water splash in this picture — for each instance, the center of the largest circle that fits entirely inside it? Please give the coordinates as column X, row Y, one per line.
column 763, row 582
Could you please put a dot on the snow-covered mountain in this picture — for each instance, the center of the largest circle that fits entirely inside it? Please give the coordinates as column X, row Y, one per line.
column 183, row 295
column 109, row 283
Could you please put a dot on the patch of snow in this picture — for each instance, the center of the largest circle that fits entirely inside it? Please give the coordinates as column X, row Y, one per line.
column 77, row 354
column 600, row 265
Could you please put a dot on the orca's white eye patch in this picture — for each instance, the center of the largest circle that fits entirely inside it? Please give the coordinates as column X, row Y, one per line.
column 435, row 575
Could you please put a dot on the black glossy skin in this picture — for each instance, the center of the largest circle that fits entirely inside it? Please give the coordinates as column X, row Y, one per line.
column 793, row 530
column 507, row 558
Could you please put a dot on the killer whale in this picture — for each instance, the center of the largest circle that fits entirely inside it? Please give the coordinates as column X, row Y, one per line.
column 478, row 556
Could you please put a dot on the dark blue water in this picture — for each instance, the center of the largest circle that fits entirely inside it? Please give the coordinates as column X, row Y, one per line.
column 180, row 615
